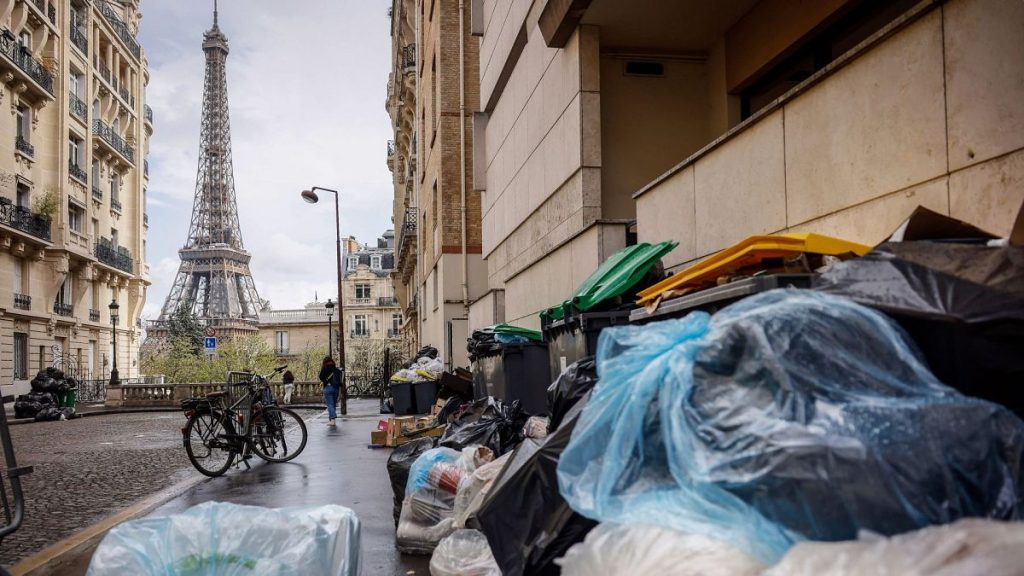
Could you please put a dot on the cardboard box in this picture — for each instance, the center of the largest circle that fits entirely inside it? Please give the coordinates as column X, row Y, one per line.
column 428, row 433
column 406, row 426
column 437, row 407
column 379, row 437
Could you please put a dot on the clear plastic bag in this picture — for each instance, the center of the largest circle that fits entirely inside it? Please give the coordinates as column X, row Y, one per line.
column 790, row 415
column 617, row 550
column 221, row 539
column 965, row 548
column 463, row 553
column 474, row 489
column 536, row 427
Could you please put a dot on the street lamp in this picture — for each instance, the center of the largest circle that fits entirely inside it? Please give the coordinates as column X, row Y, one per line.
column 311, row 197
column 115, row 380
column 330, row 332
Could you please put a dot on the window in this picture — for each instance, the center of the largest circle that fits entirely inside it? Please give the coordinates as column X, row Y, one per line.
column 64, row 295
column 95, row 230
column 396, row 324
column 115, row 187
column 25, row 39
column 74, row 82
column 437, row 204
column 20, row 356
column 76, row 215
column 353, row 262
column 360, row 326
column 434, row 275
column 22, row 120
column 113, row 236
column 95, row 296
column 95, row 173
column 362, row 291
column 281, row 342
column 96, row 108
column 75, row 151
column 19, row 276
column 23, row 195
column 375, row 261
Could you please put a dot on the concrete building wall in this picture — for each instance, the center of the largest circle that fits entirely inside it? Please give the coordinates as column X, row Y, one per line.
column 87, row 195
column 932, row 115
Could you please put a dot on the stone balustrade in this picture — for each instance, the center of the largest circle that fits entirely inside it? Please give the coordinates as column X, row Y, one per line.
column 170, row 395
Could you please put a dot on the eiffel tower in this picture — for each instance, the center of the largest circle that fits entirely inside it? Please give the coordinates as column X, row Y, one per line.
column 214, row 277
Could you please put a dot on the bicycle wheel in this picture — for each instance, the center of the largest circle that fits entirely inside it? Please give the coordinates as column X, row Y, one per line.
column 208, row 449
column 279, row 435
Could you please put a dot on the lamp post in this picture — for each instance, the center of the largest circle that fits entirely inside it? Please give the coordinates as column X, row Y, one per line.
column 115, row 380
column 311, row 197
column 330, row 331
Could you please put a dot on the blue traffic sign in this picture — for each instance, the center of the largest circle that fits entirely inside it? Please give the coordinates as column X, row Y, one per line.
column 210, row 343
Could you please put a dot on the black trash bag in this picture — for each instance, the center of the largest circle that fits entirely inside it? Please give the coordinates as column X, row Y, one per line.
column 68, row 412
column 527, row 522
column 398, row 468
column 45, row 384
column 487, row 422
column 387, row 405
column 961, row 303
column 55, row 373
column 459, row 383
column 44, row 398
column 573, row 384
column 425, row 352
column 24, row 407
column 481, row 343
column 48, row 414
column 451, row 407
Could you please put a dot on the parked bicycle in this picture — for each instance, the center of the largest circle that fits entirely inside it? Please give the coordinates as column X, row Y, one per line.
column 220, row 429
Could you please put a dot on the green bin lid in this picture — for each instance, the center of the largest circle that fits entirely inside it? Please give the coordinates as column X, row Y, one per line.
column 614, row 277
column 510, row 330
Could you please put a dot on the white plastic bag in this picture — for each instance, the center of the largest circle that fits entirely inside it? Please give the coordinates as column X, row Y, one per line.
column 620, row 550
column 464, row 553
column 222, row 539
column 473, row 489
column 536, row 427
column 965, row 548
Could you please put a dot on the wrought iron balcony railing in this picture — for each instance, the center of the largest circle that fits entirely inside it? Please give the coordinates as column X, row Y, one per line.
column 281, row 351
column 24, row 147
column 79, row 39
column 391, row 148
column 115, row 204
column 387, row 301
column 101, row 65
column 22, row 58
column 97, row 194
column 117, row 256
column 78, row 106
column 124, row 94
column 94, row 315
column 148, row 114
column 355, row 334
column 108, row 135
column 22, row 301
column 76, row 172
column 409, row 58
column 63, row 309
column 119, row 27
column 23, row 219
column 145, row 168
column 145, row 219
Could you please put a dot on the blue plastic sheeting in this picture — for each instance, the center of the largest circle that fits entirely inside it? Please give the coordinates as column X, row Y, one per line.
column 790, row 415
column 221, row 539
column 419, row 472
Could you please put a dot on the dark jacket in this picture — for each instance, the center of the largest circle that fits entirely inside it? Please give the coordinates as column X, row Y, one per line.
column 331, row 376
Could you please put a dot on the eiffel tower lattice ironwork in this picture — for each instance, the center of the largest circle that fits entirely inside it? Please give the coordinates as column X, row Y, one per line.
column 214, row 276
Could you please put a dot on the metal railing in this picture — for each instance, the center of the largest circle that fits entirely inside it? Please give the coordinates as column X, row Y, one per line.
column 408, row 230
column 23, row 219
column 124, row 94
column 145, row 168
column 79, row 39
column 394, row 334
column 101, row 65
column 23, row 59
column 63, row 309
column 117, row 256
column 76, row 172
column 115, row 204
column 108, row 135
column 23, row 146
column 391, row 148
column 145, row 219
column 22, row 301
column 281, row 351
column 97, row 194
column 119, row 27
column 94, row 315
column 78, row 106
column 148, row 114
column 358, row 335
column 409, row 58
column 387, row 301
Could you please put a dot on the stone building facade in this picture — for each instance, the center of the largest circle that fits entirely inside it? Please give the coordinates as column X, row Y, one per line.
column 432, row 94
column 72, row 187
column 605, row 122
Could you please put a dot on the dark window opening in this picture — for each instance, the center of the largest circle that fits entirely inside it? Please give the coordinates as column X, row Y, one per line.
column 641, row 68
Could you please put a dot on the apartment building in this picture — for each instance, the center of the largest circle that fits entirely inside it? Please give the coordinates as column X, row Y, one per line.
column 72, row 187
column 606, row 122
column 432, row 94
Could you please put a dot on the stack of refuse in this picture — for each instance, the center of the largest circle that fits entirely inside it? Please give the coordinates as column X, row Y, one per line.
column 413, row 389
column 51, row 397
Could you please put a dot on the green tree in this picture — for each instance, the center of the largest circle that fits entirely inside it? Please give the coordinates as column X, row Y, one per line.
column 185, row 326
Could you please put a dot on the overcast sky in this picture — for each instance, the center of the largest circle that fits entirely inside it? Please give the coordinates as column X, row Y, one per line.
column 307, row 81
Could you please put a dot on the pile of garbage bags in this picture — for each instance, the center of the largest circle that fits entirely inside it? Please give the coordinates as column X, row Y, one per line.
column 791, row 415
column 223, row 539
column 45, row 401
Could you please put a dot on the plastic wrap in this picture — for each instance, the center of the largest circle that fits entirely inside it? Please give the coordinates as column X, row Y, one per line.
column 463, row 553
column 965, row 548
column 571, row 385
column 221, row 539
column 536, row 427
column 475, row 488
column 616, row 550
column 399, row 462
column 428, row 511
column 790, row 415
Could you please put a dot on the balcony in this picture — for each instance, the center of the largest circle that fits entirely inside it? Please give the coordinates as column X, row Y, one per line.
column 120, row 28
column 145, row 220
column 358, row 335
column 22, row 145
column 115, row 204
column 101, row 67
column 281, row 351
column 47, row 9
column 391, row 148
column 25, row 220
column 387, row 301
column 22, row 59
column 406, row 237
column 97, row 194
column 409, row 59
column 148, row 115
column 94, row 315
column 145, row 168
column 394, row 334
column 125, row 95
column 78, row 107
column 113, row 140
column 359, row 301
column 63, row 309
column 76, row 172
column 22, row 301
column 79, row 39
column 116, row 256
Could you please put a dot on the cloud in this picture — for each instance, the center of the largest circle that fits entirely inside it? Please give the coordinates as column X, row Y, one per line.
column 307, row 81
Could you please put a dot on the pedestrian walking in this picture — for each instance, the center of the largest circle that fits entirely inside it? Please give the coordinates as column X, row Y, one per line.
column 332, row 378
column 289, row 385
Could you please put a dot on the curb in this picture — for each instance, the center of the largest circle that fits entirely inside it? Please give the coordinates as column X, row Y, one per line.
column 106, row 412
column 51, row 559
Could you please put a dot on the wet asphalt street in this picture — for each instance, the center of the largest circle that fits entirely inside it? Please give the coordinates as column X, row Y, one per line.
column 335, row 468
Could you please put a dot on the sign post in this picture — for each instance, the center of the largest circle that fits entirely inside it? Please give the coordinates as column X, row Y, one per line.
column 210, row 345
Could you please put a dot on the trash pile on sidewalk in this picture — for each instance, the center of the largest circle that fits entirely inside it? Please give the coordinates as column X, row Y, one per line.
column 796, row 404
column 52, row 397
